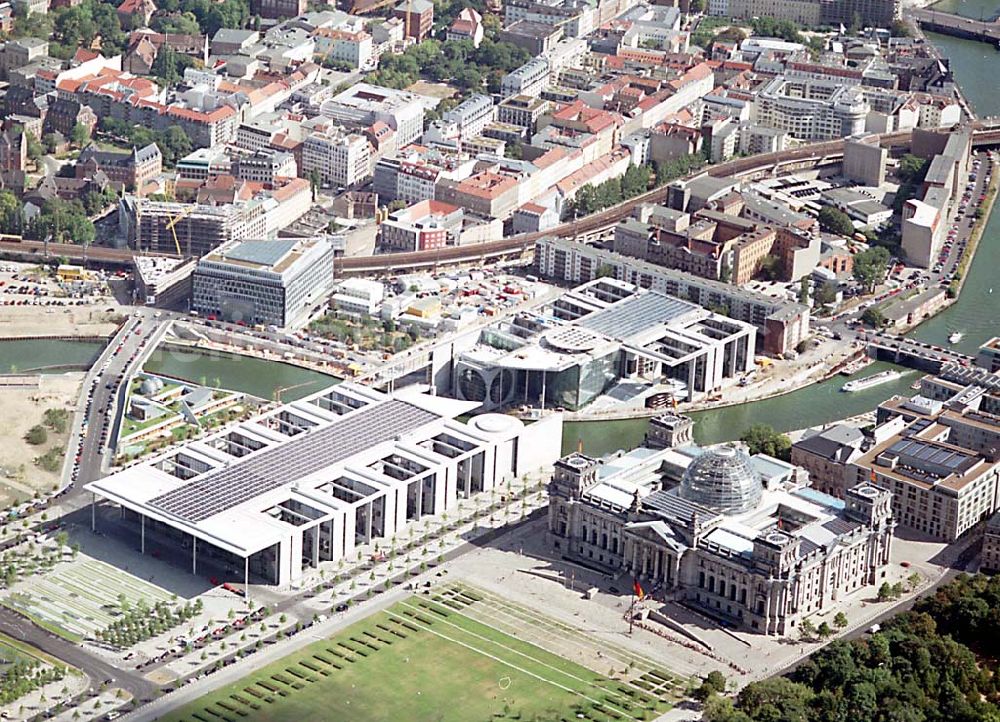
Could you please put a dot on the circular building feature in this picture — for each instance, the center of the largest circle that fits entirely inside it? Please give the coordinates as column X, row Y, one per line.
column 496, row 423
column 722, row 479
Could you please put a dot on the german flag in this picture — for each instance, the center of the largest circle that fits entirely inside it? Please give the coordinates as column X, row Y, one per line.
column 637, row 590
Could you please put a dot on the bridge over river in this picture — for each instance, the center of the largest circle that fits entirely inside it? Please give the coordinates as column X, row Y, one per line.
column 988, row 31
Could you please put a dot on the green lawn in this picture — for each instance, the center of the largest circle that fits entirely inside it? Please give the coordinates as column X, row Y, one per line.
column 420, row 661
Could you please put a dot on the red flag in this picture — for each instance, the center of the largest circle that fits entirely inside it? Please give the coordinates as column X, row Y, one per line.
column 637, row 589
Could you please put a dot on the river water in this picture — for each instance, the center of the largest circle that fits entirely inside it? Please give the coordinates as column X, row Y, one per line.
column 975, row 315
column 240, row 373
column 975, row 9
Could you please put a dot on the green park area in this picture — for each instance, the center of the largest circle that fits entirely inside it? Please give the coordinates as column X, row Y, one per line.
column 424, row 661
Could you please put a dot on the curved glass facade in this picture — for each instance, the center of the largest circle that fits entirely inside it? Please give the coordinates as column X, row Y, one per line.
column 722, row 479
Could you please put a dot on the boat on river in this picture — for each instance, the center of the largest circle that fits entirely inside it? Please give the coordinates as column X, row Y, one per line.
column 955, row 336
column 870, row 381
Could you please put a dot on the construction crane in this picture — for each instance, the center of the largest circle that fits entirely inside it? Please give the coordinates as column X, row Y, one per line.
column 276, row 395
column 172, row 224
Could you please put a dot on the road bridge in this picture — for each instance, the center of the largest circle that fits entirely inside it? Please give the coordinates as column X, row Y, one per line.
column 911, row 353
column 986, row 30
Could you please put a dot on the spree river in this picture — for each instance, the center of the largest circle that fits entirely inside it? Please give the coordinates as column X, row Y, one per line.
column 975, row 315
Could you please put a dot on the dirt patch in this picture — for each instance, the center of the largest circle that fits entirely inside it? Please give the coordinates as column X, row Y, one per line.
column 25, row 408
column 75, row 321
column 432, row 90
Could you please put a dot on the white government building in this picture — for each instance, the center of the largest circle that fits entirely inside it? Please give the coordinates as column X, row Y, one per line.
column 314, row 479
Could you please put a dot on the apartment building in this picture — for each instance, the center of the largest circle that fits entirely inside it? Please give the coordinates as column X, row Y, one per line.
column 530, row 79
column 471, row 115
column 423, row 226
column 809, row 109
column 131, row 170
column 413, row 174
column 417, row 17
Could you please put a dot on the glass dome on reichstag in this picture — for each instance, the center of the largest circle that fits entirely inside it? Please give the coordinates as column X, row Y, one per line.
column 722, row 479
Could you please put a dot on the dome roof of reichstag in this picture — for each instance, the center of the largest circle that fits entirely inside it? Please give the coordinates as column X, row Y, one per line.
column 722, row 479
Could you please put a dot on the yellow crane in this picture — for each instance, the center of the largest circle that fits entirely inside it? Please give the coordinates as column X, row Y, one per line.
column 276, row 394
column 172, row 225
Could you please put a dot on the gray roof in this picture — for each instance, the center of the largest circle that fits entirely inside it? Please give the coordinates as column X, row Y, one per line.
column 233, row 35
column 305, row 454
column 675, row 509
column 834, row 443
column 265, row 253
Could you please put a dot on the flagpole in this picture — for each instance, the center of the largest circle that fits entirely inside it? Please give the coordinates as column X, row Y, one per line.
column 631, row 616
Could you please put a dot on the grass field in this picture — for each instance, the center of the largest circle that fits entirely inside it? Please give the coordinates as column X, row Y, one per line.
column 424, row 661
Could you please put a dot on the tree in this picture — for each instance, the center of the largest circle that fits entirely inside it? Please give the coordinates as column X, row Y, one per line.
column 870, row 267
column 80, row 135
column 825, row 293
column 874, row 317
column 804, row 290
column 770, row 268
column 824, row 630
column 763, row 439
column 51, row 142
column 35, row 149
column 36, row 436
column 836, row 221
column 885, row 592
column 776, row 699
column 807, row 630
column 840, row 620
column 10, row 213
column 714, row 683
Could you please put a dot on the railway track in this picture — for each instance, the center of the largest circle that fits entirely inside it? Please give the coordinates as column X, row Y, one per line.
column 502, row 246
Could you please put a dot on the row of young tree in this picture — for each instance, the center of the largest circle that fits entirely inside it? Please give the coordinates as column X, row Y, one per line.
column 140, row 622
column 24, row 676
column 936, row 663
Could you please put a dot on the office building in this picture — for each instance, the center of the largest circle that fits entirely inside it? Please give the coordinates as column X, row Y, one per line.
column 596, row 336
column 264, row 282
column 319, row 478
column 340, row 159
column 781, row 325
column 362, row 105
column 162, row 281
column 358, row 296
column 264, row 166
column 744, row 540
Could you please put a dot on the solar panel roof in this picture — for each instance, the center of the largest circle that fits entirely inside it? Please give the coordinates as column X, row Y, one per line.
column 634, row 314
column 304, row 454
